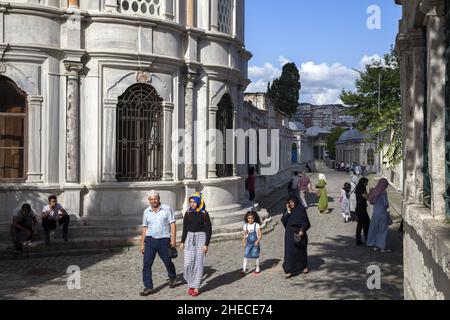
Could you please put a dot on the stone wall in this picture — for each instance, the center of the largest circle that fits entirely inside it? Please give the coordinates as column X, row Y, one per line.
column 421, row 45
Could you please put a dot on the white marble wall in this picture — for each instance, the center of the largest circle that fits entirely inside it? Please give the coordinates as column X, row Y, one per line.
column 113, row 48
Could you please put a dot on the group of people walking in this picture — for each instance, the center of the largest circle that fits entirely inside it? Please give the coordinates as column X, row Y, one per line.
column 159, row 237
column 300, row 186
column 359, row 169
column 375, row 231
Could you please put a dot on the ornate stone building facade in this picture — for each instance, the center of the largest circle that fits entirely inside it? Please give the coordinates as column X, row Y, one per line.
column 423, row 48
column 92, row 90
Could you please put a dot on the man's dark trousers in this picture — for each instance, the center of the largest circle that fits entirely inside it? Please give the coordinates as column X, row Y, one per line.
column 50, row 224
column 15, row 232
column 152, row 247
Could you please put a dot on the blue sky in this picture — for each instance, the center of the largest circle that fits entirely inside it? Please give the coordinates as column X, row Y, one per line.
column 325, row 38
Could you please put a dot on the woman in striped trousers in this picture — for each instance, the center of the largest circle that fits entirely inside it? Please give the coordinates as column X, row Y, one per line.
column 197, row 231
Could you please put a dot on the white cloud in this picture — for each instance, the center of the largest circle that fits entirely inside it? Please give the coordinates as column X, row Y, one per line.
column 260, row 76
column 321, row 83
column 369, row 60
column 282, row 60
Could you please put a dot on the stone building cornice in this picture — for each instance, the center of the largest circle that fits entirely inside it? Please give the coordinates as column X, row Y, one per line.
column 112, row 17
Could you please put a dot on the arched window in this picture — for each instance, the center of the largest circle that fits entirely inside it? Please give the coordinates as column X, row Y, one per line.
column 294, row 153
column 13, row 119
column 224, row 122
column 370, row 157
column 139, row 135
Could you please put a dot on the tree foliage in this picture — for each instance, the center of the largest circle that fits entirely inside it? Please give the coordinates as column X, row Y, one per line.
column 332, row 139
column 285, row 91
column 363, row 105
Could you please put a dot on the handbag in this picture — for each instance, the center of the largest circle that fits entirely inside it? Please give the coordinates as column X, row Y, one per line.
column 300, row 241
column 173, row 252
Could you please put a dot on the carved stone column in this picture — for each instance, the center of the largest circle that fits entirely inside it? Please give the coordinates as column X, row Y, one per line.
column 169, row 10
column 189, row 125
column 419, row 60
column 235, row 173
column 111, row 5
column 190, row 13
column 73, row 3
column 73, row 123
column 436, row 29
column 167, row 151
column 34, row 139
column 215, row 15
column 212, row 148
column 109, row 140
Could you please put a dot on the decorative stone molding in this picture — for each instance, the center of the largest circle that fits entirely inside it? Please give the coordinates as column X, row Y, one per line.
column 143, row 77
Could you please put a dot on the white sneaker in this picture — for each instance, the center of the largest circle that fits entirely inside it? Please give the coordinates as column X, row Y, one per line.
column 375, row 249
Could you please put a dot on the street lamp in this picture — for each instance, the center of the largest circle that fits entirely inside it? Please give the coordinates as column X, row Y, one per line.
column 373, row 66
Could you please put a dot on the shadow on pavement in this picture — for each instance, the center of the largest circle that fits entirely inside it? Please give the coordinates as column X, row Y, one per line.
column 32, row 272
column 345, row 269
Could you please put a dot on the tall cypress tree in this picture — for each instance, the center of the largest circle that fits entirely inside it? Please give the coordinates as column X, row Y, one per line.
column 285, row 91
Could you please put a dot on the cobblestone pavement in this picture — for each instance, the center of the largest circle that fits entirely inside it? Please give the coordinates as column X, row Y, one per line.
column 338, row 267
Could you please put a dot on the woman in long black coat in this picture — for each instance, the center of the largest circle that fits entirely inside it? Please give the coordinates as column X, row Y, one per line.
column 295, row 220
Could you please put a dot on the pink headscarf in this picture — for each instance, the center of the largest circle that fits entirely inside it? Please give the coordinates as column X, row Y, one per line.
column 378, row 191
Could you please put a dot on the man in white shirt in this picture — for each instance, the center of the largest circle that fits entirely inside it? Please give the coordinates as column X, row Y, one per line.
column 23, row 219
column 54, row 213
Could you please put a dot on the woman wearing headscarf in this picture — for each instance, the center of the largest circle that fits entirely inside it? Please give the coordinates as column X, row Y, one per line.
column 197, row 231
column 322, row 193
column 295, row 221
column 379, row 226
column 361, row 210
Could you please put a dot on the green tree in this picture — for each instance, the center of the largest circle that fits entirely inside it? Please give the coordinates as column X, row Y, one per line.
column 363, row 105
column 285, row 91
column 332, row 139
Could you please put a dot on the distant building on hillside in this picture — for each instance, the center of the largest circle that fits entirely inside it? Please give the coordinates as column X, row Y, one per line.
column 323, row 116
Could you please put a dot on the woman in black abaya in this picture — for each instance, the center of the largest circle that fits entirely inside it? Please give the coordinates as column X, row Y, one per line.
column 295, row 220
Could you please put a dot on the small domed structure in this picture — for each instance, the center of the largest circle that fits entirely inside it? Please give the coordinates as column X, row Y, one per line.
column 296, row 126
column 356, row 146
column 353, row 135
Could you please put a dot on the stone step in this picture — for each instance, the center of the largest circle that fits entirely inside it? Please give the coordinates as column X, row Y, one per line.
column 95, row 245
column 128, row 225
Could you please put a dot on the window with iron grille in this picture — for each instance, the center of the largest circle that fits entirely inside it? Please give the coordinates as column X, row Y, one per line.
column 225, row 15
column 224, row 121
column 151, row 8
column 13, row 119
column 139, row 134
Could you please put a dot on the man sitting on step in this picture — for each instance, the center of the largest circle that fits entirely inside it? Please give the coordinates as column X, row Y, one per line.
column 23, row 219
column 54, row 213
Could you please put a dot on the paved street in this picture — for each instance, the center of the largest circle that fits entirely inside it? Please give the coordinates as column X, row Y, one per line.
column 338, row 267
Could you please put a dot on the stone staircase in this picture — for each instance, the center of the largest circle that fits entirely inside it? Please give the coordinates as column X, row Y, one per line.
column 101, row 234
